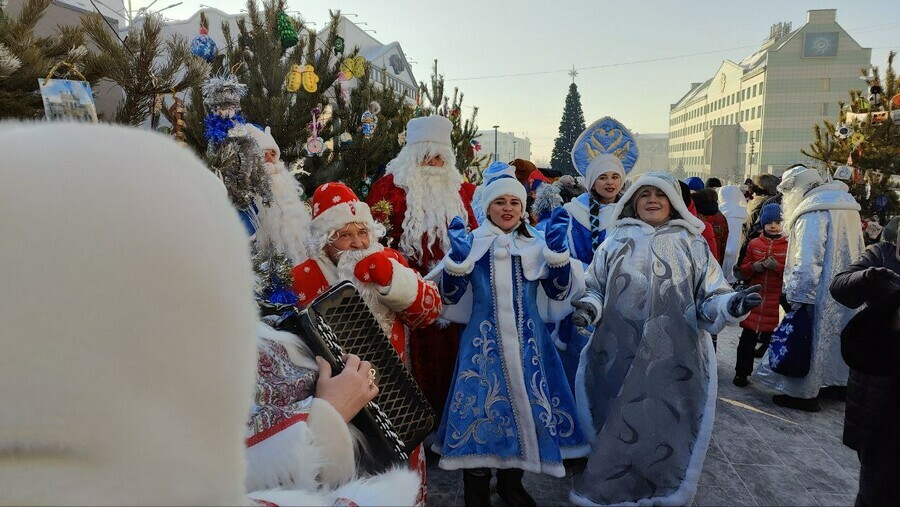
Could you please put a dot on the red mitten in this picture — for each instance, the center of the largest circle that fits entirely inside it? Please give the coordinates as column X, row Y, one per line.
column 376, row 268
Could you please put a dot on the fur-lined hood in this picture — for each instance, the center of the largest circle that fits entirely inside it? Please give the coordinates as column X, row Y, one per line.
column 624, row 211
column 830, row 196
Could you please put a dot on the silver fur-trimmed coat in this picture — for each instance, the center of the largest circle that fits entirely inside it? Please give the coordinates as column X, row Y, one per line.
column 646, row 382
column 825, row 236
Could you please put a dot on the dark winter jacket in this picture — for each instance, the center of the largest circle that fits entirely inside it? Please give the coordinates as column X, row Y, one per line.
column 764, row 318
column 873, row 401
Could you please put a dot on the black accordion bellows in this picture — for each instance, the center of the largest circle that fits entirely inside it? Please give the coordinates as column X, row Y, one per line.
column 339, row 322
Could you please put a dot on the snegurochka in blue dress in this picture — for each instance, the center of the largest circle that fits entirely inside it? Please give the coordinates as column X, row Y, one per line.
column 510, row 406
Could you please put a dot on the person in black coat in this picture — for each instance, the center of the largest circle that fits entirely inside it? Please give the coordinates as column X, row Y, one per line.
column 871, row 346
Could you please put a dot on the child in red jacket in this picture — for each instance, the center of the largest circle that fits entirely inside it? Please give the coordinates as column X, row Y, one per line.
column 763, row 265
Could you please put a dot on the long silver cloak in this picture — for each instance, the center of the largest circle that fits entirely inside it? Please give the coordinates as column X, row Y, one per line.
column 825, row 236
column 646, row 383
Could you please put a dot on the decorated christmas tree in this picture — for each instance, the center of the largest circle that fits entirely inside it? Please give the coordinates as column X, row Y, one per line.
column 570, row 127
column 286, row 75
column 863, row 147
column 368, row 126
column 463, row 136
column 25, row 57
column 135, row 66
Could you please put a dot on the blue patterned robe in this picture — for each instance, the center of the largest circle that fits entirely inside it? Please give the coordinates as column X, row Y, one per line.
column 509, row 405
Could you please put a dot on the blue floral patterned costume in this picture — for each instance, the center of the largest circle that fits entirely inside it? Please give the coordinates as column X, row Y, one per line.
column 510, row 405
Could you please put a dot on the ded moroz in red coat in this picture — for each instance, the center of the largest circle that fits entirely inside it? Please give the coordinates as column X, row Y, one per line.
column 410, row 301
column 764, row 318
column 433, row 349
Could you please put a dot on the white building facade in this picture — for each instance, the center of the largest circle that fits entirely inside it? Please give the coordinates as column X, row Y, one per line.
column 756, row 115
column 508, row 146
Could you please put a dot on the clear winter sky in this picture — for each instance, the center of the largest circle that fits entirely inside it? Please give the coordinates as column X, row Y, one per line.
column 474, row 40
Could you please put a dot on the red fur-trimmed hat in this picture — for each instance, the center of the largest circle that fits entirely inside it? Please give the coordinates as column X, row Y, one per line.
column 334, row 205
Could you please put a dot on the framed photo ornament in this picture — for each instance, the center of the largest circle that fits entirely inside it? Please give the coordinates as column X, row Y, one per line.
column 67, row 99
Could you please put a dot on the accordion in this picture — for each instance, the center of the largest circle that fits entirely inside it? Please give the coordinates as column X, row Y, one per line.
column 339, row 322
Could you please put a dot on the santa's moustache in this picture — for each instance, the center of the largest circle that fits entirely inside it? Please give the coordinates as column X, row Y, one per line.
column 346, row 264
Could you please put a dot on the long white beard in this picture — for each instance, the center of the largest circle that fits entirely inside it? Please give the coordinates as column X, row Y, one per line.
column 284, row 223
column 369, row 291
column 432, row 200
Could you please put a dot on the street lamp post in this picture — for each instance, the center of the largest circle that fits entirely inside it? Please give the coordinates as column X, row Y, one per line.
column 752, row 151
column 496, row 149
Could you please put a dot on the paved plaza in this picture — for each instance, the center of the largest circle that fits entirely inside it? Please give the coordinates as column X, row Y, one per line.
column 760, row 454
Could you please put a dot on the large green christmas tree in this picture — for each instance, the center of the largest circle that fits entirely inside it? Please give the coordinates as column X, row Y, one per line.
column 570, row 127
column 867, row 140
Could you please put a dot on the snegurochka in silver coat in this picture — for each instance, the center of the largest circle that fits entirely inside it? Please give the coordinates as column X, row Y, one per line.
column 646, row 381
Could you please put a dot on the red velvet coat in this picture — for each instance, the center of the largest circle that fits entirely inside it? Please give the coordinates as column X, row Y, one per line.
column 764, row 318
column 719, row 225
column 707, row 233
column 310, row 280
column 385, row 190
column 433, row 349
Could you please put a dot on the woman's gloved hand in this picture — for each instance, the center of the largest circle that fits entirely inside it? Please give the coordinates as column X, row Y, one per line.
column 557, row 230
column 744, row 301
column 584, row 315
column 460, row 243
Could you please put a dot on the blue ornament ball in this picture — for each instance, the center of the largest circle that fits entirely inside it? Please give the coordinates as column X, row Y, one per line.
column 204, row 47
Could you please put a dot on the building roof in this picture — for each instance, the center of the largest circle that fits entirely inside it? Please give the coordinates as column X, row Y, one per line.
column 751, row 63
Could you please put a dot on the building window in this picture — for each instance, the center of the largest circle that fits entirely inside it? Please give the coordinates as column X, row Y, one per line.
column 826, row 84
column 823, row 109
column 759, row 111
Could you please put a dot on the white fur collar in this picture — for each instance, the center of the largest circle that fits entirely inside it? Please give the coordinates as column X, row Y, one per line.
column 580, row 211
column 649, row 229
column 831, row 196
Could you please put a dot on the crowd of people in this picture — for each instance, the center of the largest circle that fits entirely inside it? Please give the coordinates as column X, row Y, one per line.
column 555, row 324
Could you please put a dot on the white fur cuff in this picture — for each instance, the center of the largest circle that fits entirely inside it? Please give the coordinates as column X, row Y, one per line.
column 331, row 435
column 461, row 269
column 555, row 259
column 403, row 289
column 715, row 315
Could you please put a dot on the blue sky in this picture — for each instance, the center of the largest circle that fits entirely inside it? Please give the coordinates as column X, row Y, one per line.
column 477, row 39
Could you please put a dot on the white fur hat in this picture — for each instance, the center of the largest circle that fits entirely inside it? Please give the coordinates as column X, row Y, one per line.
column 135, row 388
column 434, row 129
column 264, row 139
column 798, row 176
column 668, row 184
column 500, row 179
column 603, row 163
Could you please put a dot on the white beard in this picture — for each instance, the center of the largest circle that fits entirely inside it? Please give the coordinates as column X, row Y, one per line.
column 432, row 201
column 284, row 223
column 369, row 291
